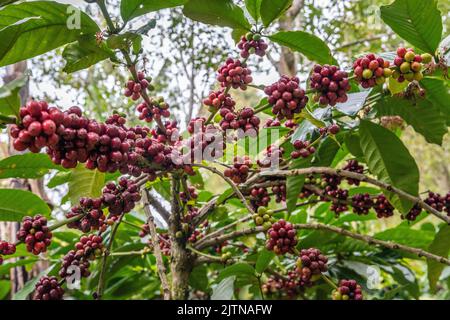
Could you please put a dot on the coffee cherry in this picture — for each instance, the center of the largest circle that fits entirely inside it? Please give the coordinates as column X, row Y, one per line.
column 120, row 198
column 35, row 233
column 145, row 230
column 353, row 166
column 279, row 192
column 303, row 149
column 310, row 264
column 244, row 119
column 218, row 100
column 133, row 88
column 382, row 207
column 371, row 70
column 48, row 288
column 286, row 97
column 281, row 237
column 263, row 217
column 413, row 213
column 234, row 74
column 272, row 157
column 74, row 262
column 240, row 170
column 427, row 58
column 199, row 232
column 392, row 122
column 348, row 290
column 155, row 110
column 90, row 247
column 252, row 43
column 362, row 203
column 331, row 84
column 338, row 204
column 259, row 197
column 93, row 216
column 435, row 200
column 6, row 248
column 408, row 65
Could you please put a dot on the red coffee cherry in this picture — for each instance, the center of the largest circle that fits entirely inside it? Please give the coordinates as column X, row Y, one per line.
column 382, row 207
column 348, row 290
column 35, row 233
column 286, row 97
column 6, row 248
column 331, row 83
column 74, row 262
column 436, row 201
column 133, row 88
column 273, row 156
column 339, row 202
column 310, row 264
column 244, row 119
column 353, row 166
column 191, row 194
column 331, row 129
column 234, row 74
column 90, row 247
column 252, row 43
column 259, row 197
column 408, row 65
column 120, row 198
column 281, row 237
column 93, row 218
column 303, row 149
column 48, row 288
column 362, row 203
column 371, row 70
column 279, row 192
column 240, row 170
column 218, row 100
column 155, row 110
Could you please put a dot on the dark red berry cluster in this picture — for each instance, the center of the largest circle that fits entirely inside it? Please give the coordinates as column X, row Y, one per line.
column 353, row 166
column 408, row 65
column 133, row 88
column 331, row 83
column 259, row 197
column 170, row 135
column 120, row 198
column 74, row 263
column 218, row 100
column 164, row 244
column 383, row 207
column 272, row 123
column 252, row 43
column 190, row 194
column 272, row 157
column 234, row 74
column 145, row 230
column 446, row 201
column 48, row 288
column 339, row 202
column 371, row 70
column 35, row 233
column 244, row 119
column 155, row 110
column 199, row 232
column 37, row 127
column 93, row 217
column 281, row 237
column 190, row 214
column 280, row 192
column 435, row 200
column 413, row 213
column 240, row 170
column 286, row 97
column 6, row 248
column 90, row 246
column 331, row 129
column 362, row 203
column 310, row 263
column 303, row 149
column 348, row 290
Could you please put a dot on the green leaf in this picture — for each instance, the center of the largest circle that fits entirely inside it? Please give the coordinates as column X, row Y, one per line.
column 224, row 290
column 5, row 287
column 237, row 34
column 85, row 183
column 327, row 150
column 130, row 9
column 390, row 161
column 263, row 261
column 16, row 204
column 273, row 9
column 407, row 236
column 423, row 116
column 26, row 166
column 441, row 247
column 198, row 278
column 307, row 126
column 59, row 178
column 30, row 285
column 253, row 7
column 395, row 86
column 29, row 29
column 216, row 12
column 353, row 144
column 9, row 96
column 305, row 43
column 294, row 184
column 238, row 269
column 418, row 22
column 84, row 53
column 438, row 93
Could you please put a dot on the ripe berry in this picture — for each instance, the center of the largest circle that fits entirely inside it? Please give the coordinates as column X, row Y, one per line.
column 310, row 264
column 362, row 203
column 353, row 166
column 408, row 65
column 252, row 43
column 382, row 207
column 371, row 70
column 93, row 218
column 157, row 109
column 6, row 248
column 302, row 149
column 235, row 74
column 413, row 213
column 120, row 198
column 240, row 170
column 218, row 100
column 48, row 288
column 286, row 97
column 348, row 290
column 272, row 157
column 331, row 83
column 435, row 200
column 35, row 233
column 281, row 237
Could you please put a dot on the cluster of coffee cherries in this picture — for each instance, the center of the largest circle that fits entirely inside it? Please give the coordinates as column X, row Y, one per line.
column 203, row 136
column 303, row 149
column 199, row 232
column 331, row 129
column 286, row 97
column 259, row 197
column 240, row 169
column 272, row 157
column 409, row 65
column 252, row 43
column 277, row 123
column 348, row 290
column 383, row 207
column 37, row 127
column 331, row 83
column 311, row 263
column 245, row 119
column 6, row 248
column 90, row 246
column 164, row 243
column 264, row 218
column 122, row 197
column 155, row 110
column 133, row 88
column 234, row 74
column 48, row 288
column 281, row 237
column 362, row 203
column 93, row 216
column 371, row 70
column 353, row 166
column 280, row 192
column 35, row 233
column 219, row 99
column 188, row 195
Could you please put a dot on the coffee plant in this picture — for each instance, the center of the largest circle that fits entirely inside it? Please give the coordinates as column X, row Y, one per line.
column 283, row 199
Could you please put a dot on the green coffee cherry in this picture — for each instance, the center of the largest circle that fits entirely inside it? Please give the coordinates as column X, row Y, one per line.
column 427, row 58
column 367, row 74
column 409, row 56
column 405, row 67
